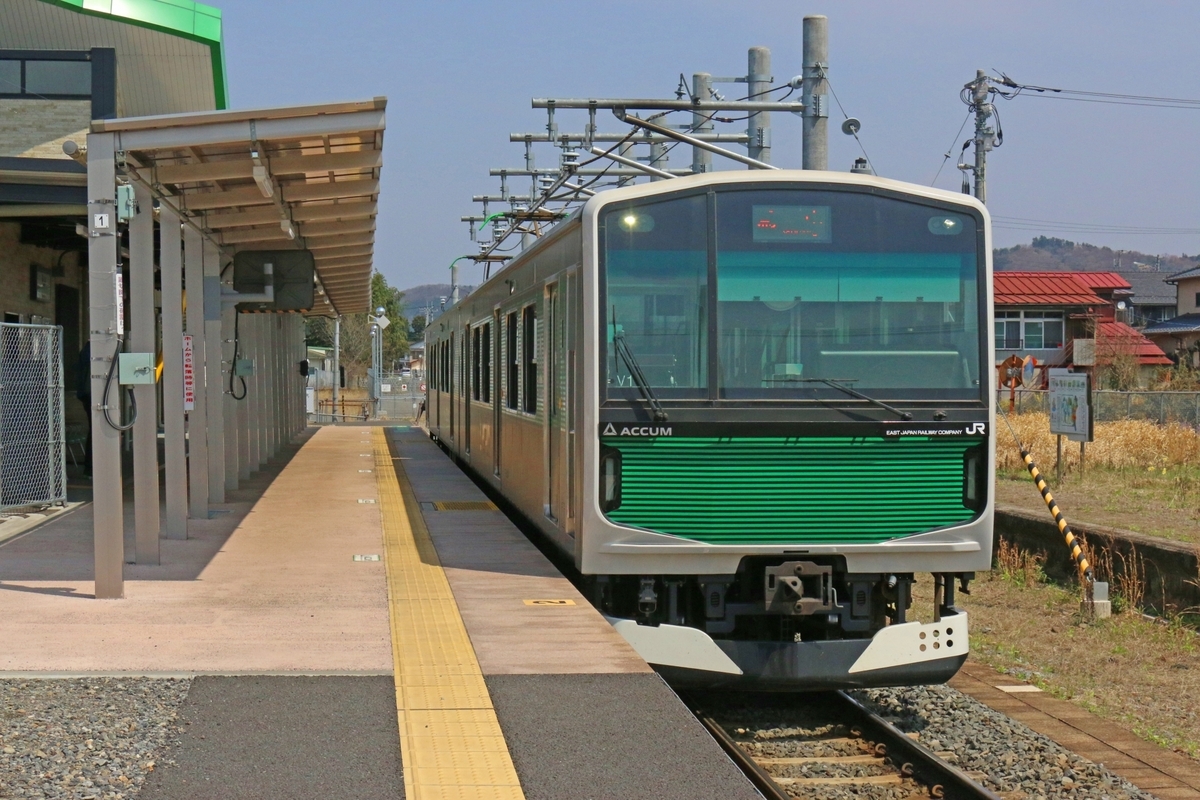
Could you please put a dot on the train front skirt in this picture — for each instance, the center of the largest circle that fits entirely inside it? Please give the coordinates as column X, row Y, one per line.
column 911, row 653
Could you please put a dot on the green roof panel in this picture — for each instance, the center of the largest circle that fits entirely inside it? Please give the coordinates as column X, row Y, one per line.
column 195, row 21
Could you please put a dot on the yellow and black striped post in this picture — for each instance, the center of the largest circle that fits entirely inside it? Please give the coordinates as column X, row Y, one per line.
column 1085, row 569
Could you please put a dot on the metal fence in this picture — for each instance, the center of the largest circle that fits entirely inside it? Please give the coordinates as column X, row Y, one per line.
column 402, row 398
column 1110, row 405
column 33, row 469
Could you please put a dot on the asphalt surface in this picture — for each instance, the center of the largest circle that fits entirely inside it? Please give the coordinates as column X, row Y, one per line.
column 245, row 738
column 618, row 736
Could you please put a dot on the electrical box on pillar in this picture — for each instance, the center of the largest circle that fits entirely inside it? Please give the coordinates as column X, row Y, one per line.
column 291, row 274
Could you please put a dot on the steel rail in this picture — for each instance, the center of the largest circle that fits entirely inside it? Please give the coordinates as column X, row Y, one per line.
column 917, row 760
column 907, row 756
column 757, row 775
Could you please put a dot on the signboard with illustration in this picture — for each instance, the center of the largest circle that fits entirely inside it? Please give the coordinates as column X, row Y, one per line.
column 1070, row 404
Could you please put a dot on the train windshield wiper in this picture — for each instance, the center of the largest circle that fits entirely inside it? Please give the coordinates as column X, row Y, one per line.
column 840, row 384
column 635, row 372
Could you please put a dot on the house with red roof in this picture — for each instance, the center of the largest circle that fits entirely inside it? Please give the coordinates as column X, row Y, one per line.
column 1070, row 319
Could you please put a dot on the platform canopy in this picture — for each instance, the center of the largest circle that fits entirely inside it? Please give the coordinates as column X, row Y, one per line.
column 304, row 177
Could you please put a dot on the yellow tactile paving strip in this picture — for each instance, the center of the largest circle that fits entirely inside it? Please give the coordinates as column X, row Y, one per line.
column 450, row 739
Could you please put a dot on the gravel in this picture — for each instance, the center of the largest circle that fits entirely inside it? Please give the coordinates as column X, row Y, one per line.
column 87, row 738
column 1017, row 761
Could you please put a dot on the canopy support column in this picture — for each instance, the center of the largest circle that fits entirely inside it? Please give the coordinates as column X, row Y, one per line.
column 108, row 523
column 175, row 441
column 142, row 340
column 193, row 273
column 214, row 369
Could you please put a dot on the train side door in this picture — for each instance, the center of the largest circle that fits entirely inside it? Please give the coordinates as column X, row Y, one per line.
column 498, row 372
column 560, row 396
column 569, row 319
column 470, row 378
column 553, row 400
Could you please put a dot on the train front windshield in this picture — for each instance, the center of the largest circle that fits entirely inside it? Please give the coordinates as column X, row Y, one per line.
column 873, row 292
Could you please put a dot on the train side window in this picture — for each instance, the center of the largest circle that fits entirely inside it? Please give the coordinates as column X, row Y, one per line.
column 512, row 390
column 476, row 355
column 485, row 362
column 529, row 357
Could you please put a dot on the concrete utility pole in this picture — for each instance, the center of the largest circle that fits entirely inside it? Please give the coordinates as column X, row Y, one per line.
column 758, row 81
column 816, row 110
column 701, row 123
column 984, row 135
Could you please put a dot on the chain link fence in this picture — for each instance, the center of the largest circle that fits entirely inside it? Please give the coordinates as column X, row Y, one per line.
column 33, row 469
column 400, row 396
column 1110, row 405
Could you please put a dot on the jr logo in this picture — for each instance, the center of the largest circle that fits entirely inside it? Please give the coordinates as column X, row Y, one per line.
column 976, row 427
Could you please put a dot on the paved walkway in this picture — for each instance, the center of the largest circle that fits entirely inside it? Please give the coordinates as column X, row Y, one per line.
column 1164, row 773
column 267, row 585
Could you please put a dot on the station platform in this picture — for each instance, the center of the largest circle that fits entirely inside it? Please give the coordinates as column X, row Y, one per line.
column 459, row 664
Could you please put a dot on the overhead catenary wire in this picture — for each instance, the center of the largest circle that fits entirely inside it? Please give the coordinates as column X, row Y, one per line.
column 950, row 150
column 853, row 133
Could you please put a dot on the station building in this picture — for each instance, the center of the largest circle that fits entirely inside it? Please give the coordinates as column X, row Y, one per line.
column 144, row 218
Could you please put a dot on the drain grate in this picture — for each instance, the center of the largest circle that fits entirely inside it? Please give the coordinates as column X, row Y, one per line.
column 464, row 505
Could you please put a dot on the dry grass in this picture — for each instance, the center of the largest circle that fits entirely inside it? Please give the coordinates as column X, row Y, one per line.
column 1139, row 475
column 1140, row 674
column 1125, row 574
column 1126, row 444
column 1020, row 567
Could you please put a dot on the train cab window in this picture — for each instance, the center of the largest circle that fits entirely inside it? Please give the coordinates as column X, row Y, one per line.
column 485, row 365
column 655, row 283
column 529, row 359
column 877, row 293
column 513, row 382
column 476, row 355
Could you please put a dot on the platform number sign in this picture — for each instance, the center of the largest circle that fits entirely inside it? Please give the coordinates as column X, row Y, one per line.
column 550, row 602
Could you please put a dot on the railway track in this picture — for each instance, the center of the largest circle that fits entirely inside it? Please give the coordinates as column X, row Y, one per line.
column 825, row 746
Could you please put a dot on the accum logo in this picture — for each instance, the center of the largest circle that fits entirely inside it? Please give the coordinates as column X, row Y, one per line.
column 643, row 430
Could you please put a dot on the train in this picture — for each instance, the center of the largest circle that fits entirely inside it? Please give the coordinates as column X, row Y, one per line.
column 751, row 408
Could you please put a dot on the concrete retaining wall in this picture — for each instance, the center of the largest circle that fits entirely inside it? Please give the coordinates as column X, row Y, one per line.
column 1172, row 568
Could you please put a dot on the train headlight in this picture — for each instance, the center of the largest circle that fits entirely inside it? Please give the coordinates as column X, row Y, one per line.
column 610, row 478
column 945, row 225
column 635, row 221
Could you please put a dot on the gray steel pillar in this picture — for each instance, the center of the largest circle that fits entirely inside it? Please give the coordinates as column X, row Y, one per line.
column 108, row 523
column 175, row 441
column 242, row 386
column 701, row 122
column 260, row 389
column 249, row 335
column 270, row 403
column 232, row 451
column 337, row 364
column 193, row 275
column 142, row 339
column 215, row 378
column 758, row 82
column 816, row 111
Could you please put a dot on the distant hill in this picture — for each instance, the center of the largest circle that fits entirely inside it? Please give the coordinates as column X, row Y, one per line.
column 1051, row 254
column 418, row 298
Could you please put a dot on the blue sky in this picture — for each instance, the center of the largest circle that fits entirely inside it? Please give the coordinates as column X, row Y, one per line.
column 459, row 77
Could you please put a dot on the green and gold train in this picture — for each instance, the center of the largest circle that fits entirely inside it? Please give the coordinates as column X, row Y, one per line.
column 753, row 407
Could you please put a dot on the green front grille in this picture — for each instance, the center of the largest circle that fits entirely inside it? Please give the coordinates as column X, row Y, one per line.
column 791, row 491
